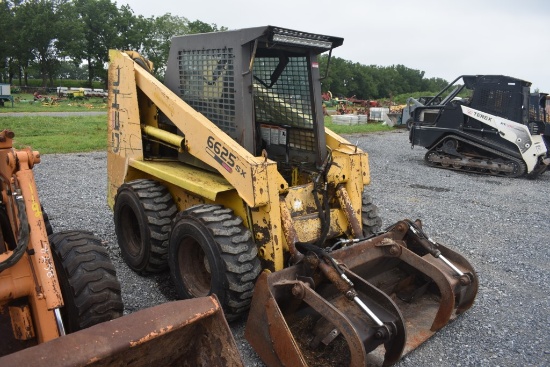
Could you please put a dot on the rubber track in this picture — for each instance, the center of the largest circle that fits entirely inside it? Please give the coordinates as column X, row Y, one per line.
column 160, row 209
column 238, row 252
column 522, row 165
column 91, row 276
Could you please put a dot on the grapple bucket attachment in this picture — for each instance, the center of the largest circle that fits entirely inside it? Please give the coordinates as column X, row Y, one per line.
column 363, row 305
column 192, row 332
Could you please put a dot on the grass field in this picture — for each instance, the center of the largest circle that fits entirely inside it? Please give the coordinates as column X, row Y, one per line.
column 371, row 127
column 58, row 135
column 89, row 133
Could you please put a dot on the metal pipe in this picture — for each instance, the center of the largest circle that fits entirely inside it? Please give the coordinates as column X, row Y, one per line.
column 368, row 311
column 59, row 322
column 164, row 136
column 451, row 265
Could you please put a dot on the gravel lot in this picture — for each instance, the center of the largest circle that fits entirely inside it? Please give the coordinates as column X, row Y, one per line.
column 502, row 225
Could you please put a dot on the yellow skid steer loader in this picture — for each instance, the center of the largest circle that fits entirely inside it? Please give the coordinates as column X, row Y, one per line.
column 226, row 175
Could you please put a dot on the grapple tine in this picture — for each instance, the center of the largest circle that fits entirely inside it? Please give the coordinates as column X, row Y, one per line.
column 447, row 300
column 273, row 324
column 336, row 317
column 394, row 347
column 467, row 294
column 409, row 290
column 266, row 329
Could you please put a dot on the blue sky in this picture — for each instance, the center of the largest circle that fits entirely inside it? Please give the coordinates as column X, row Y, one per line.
column 443, row 38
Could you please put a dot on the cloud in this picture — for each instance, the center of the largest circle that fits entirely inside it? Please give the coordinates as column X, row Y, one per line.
column 443, row 38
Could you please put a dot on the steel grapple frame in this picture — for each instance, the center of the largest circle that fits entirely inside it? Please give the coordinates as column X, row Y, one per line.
column 403, row 314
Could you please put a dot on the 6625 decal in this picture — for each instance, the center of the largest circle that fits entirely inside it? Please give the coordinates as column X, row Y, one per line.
column 220, row 154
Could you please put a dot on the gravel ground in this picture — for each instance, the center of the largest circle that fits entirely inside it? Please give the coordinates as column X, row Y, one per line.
column 502, row 225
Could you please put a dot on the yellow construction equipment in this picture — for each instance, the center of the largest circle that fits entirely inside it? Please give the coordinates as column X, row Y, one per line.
column 226, row 175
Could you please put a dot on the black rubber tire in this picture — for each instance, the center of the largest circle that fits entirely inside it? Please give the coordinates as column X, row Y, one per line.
column 372, row 223
column 211, row 251
column 141, row 61
column 90, row 289
column 143, row 214
column 5, row 227
column 47, row 224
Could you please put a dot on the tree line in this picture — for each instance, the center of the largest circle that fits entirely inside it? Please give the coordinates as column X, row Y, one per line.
column 50, row 39
column 347, row 79
column 70, row 39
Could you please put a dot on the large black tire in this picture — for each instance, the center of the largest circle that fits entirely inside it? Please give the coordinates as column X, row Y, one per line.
column 90, row 289
column 212, row 252
column 5, row 227
column 47, row 223
column 372, row 223
column 143, row 214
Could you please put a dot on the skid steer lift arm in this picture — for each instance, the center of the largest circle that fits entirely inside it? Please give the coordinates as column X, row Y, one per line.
column 253, row 177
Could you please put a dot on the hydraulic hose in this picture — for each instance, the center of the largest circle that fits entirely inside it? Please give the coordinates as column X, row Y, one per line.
column 23, row 240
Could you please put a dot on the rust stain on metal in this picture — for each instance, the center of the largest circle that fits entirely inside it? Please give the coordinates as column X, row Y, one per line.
column 347, row 207
column 152, row 335
column 261, row 234
column 289, row 232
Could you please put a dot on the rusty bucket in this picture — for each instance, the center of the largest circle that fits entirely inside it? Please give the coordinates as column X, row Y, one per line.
column 191, row 332
column 363, row 305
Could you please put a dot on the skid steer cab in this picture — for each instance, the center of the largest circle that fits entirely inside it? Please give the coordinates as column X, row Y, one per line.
column 487, row 124
column 226, row 175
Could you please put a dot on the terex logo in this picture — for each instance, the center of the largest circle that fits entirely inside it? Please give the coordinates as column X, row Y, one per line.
column 482, row 116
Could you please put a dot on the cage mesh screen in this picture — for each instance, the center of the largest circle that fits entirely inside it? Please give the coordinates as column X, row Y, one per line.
column 499, row 102
column 207, row 83
column 287, row 101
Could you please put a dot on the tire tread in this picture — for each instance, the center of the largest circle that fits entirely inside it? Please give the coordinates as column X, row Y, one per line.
column 94, row 293
column 238, row 252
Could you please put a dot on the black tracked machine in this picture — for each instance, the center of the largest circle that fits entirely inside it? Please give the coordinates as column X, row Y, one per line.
column 499, row 128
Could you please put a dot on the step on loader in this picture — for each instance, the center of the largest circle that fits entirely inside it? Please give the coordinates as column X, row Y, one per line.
column 60, row 300
column 226, row 175
column 487, row 124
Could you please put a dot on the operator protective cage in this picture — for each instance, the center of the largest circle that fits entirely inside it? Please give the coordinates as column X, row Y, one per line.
column 257, row 85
